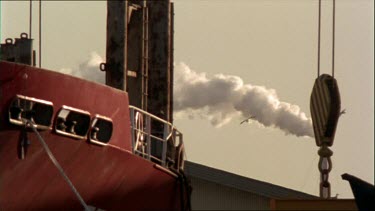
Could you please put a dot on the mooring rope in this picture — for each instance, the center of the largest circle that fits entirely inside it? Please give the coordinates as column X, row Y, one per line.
column 56, row 163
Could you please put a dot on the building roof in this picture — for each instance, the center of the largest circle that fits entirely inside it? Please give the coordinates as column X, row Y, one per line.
column 243, row 183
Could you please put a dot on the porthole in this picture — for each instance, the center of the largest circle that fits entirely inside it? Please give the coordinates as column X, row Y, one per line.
column 101, row 130
column 37, row 111
column 72, row 122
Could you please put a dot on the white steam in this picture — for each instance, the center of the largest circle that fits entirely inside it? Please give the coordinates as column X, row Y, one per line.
column 89, row 69
column 221, row 98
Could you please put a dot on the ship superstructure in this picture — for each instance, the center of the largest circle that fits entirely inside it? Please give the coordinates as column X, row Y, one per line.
column 67, row 143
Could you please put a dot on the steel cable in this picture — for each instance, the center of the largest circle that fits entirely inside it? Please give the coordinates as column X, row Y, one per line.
column 320, row 8
column 56, row 163
column 333, row 39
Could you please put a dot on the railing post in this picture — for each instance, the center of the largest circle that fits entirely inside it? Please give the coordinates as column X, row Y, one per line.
column 132, row 119
column 183, row 151
column 170, row 145
column 164, row 152
column 148, row 132
column 181, row 138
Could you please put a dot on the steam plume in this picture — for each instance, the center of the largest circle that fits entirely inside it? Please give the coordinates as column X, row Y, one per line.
column 220, row 98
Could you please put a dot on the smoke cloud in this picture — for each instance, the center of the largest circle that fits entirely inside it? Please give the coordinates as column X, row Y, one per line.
column 89, row 69
column 221, row 98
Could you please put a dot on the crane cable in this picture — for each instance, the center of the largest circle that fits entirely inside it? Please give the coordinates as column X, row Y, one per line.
column 333, row 39
column 320, row 8
column 333, row 36
column 40, row 33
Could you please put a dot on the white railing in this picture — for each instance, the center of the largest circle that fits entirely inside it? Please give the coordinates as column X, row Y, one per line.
column 156, row 139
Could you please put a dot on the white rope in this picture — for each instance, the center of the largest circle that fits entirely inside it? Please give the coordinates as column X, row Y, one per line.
column 54, row 161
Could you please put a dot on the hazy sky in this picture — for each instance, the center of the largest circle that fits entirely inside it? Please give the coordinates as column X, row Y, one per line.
column 270, row 43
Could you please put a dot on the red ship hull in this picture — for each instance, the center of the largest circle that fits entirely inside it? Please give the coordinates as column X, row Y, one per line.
column 107, row 177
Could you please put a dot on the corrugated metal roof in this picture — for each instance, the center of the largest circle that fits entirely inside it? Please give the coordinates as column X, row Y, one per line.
column 243, row 183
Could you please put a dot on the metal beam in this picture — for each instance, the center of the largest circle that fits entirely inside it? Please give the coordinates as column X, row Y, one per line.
column 160, row 59
column 116, row 44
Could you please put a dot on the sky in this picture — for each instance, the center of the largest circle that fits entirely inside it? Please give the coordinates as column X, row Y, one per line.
column 268, row 45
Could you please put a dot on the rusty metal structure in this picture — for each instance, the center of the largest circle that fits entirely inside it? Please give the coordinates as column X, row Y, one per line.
column 139, row 55
column 20, row 51
column 115, row 66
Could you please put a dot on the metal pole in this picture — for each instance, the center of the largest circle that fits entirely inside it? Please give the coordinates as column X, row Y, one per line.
column 132, row 125
column 30, row 17
column 148, row 132
column 40, row 33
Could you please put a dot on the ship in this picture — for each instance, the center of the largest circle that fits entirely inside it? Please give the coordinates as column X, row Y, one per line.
column 71, row 144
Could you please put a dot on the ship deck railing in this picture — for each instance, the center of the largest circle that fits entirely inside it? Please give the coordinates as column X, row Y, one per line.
column 156, row 139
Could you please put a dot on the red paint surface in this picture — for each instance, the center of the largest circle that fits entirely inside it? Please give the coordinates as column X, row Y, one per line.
column 108, row 177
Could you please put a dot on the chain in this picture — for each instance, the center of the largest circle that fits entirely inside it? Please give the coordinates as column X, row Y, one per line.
column 325, row 166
